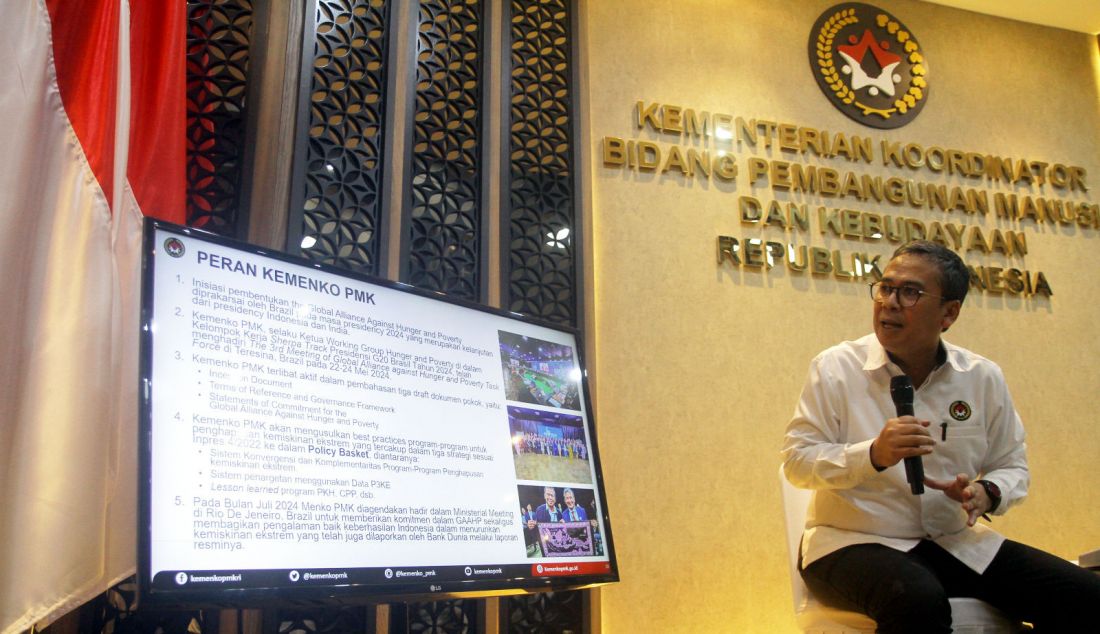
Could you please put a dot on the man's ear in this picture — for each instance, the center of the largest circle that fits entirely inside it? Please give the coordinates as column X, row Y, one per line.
column 951, row 313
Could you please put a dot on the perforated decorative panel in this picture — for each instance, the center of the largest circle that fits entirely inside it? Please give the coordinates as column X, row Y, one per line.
column 347, row 620
column 116, row 612
column 545, row 613
column 443, row 238
column 339, row 160
column 219, row 33
column 541, row 232
column 456, row 616
column 541, row 229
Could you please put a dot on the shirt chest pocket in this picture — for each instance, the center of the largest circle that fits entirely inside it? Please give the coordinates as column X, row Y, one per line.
column 961, row 447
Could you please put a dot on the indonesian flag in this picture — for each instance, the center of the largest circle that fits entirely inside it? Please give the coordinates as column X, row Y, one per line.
column 92, row 136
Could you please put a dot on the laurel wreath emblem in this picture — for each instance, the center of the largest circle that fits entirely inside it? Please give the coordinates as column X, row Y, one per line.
column 840, row 89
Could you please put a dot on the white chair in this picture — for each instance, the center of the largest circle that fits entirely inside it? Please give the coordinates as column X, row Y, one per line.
column 968, row 616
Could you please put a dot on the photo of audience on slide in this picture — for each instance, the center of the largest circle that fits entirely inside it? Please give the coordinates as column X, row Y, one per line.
column 548, row 446
column 539, row 372
column 559, row 521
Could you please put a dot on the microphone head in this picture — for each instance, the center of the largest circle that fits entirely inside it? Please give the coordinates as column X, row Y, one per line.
column 901, row 389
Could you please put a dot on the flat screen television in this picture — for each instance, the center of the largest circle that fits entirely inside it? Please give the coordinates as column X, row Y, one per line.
column 314, row 435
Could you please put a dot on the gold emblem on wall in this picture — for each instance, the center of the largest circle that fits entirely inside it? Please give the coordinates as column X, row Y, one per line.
column 869, row 65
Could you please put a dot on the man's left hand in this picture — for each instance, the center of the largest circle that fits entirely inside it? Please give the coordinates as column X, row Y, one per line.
column 965, row 491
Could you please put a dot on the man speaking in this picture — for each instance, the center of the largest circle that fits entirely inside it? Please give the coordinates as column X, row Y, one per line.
column 875, row 544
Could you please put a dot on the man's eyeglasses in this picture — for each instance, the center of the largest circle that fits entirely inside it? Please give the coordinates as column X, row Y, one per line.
column 908, row 296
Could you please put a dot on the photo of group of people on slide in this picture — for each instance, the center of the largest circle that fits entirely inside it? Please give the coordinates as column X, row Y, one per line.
column 549, row 447
column 539, row 372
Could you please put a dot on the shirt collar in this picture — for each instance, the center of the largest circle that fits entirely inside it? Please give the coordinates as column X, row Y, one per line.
column 877, row 358
column 876, row 355
column 954, row 357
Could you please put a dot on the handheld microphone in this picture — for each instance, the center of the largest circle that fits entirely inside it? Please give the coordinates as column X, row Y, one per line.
column 901, row 391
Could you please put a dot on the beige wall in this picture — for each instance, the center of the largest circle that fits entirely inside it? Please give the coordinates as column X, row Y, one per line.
column 698, row 366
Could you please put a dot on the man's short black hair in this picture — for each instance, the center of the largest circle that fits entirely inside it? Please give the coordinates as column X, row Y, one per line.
column 954, row 276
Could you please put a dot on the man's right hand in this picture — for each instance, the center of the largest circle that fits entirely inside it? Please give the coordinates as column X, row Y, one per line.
column 901, row 438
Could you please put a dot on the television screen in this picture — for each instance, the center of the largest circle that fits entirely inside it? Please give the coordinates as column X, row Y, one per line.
column 313, row 434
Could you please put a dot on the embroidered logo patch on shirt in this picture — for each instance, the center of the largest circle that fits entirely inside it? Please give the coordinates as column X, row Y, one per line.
column 960, row 410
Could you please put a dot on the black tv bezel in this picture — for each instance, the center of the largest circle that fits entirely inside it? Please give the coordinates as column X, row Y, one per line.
column 334, row 594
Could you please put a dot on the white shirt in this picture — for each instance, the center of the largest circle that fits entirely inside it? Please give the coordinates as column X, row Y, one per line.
column 845, row 404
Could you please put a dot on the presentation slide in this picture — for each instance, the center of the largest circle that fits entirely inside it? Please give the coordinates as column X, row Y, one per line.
column 304, row 427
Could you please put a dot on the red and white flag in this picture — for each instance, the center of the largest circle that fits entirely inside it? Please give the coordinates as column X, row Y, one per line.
column 92, row 137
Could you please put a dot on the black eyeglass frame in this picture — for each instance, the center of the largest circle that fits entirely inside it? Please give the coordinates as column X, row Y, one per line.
column 901, row 292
